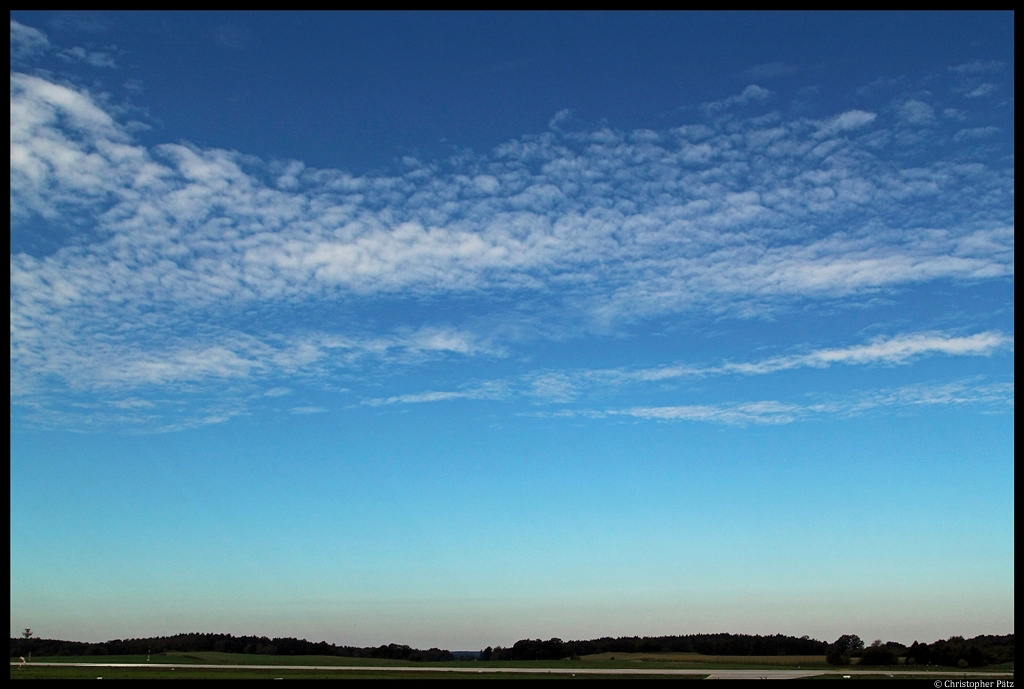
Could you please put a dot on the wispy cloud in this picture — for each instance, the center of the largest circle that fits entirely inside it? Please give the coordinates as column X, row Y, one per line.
column 418, row 398
column 308, row 410
column 131, row 361
column 845, row 122
column 96, row 58
column 489, row 390
column 982, row 90
column 975, row 133
column 978, row 67
column 974, row 78
column 752, row 93
column 895, row 350
column 564, row 386
column 916, row 112
column 585, row 229
column 26, row 41
column 749, row 412
column 998, row 396
column 167, row 213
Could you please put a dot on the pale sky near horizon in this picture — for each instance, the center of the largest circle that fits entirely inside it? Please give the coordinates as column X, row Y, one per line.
column 456, row 329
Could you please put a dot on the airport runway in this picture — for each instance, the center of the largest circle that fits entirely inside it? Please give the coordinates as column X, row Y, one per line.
column 711, row 672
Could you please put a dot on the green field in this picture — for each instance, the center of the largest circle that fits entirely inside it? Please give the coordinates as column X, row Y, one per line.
column 158, row 667
column 215, row 658
column 256, row 673
column 604, row 660
column 684, row 660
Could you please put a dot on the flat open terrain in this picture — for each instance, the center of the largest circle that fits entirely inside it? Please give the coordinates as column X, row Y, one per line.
column 211, row 665
column 702, row 660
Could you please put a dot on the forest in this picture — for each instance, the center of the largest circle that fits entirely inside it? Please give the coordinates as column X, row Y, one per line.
column 847, row 649
column 955, row 651
column 708, row 644
column 225, row 643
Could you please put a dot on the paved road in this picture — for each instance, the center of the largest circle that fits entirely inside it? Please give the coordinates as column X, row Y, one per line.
column 711, row 672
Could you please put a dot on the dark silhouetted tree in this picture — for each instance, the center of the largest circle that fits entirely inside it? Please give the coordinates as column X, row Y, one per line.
column 918, row 654
column 877, row 654
column 839, row 652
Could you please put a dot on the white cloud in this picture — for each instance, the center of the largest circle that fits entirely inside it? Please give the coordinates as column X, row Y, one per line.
column 490, row 390
column 218, row 362
column 26, row 41
column 559, row 118
column 99, row 362
column 417, row 398
column 975, row 133
column 564, row 386
column 445, row 340
column 96, row 58
column 132, row 403
column 749, row 94
column 751, row 412
column 971, row 78
column 981, row 90
column 998, row 396
column 67, row 153
column 844, row 122
column 308, row 410
column 978, row 67
column 916, row 112
column 553, row 387
column 584, row 229
column 487, row 183
column 894, row 350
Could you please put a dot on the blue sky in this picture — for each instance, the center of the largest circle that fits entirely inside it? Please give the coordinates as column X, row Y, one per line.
column 455, row 329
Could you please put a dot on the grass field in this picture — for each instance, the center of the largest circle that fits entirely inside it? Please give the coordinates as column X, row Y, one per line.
column 257, row 673
column 215, row 658
column 604, row 660
column 702, row 660
column 158, row 667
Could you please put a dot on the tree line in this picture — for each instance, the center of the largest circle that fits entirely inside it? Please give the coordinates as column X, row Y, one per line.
column 849, row 648
column 225, row 643
column 708, row 644
column 956, row 651
column 953, row 652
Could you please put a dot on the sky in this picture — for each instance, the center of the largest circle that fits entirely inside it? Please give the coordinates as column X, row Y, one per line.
column 454, row 329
